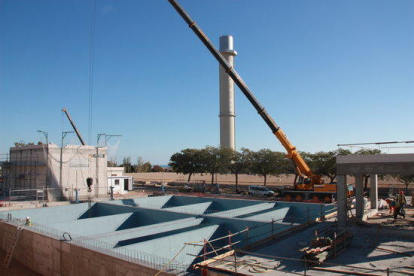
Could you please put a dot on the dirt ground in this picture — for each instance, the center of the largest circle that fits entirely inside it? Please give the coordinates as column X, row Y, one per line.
column 244, row 179
column 386, row 219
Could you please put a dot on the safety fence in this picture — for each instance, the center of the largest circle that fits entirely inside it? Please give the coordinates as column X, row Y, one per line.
column 110, row 249
column 243, row 261
column 45, row 195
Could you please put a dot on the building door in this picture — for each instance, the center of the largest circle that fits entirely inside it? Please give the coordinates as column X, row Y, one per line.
column 126, row 184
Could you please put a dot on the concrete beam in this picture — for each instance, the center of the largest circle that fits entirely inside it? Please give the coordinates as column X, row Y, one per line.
column 359, row 196
column 342, row 200
column 373, row 194
column 375, row 164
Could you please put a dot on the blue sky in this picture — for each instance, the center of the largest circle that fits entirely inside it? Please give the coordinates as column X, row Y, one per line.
column 328, row 72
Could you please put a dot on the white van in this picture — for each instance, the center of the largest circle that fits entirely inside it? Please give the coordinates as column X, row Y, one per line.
column 260, row 191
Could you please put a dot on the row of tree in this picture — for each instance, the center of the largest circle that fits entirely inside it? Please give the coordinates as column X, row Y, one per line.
column 214, row 160
column 140, row 167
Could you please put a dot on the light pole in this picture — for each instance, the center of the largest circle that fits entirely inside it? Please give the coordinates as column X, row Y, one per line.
column 47, row 156
column 61, row 156
column 45, row 134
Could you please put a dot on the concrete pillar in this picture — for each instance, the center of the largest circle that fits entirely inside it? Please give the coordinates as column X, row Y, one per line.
column 227, row 115
column 341, row 193
column 373, row 194
column 359, row 196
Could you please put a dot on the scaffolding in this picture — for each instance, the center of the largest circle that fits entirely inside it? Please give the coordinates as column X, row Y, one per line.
column 22, row 172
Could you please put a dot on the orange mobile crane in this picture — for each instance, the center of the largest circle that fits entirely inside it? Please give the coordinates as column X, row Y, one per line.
column 309, row 185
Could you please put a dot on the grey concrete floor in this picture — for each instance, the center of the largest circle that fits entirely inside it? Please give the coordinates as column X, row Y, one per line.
column 363, row 255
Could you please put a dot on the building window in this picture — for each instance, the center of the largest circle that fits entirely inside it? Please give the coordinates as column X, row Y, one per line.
column 116, row 181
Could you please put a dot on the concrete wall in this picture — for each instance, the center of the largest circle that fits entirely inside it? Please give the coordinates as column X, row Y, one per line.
column 39, row 166
column 47, row 256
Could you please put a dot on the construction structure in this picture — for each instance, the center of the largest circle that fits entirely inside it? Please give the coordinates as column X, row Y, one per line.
column 55, row 172
column 148, row 235
column 227, row 113
column 373, row 165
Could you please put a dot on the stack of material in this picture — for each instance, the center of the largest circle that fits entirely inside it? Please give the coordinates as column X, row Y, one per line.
column 331, row 244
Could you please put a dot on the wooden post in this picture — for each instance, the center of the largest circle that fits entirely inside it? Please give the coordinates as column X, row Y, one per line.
column 205, row 250
column 247, row 237
column 306, row 264
column 321, row 215
column 235, row 262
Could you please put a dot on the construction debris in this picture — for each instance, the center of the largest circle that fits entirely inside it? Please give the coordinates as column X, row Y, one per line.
column 331, row 244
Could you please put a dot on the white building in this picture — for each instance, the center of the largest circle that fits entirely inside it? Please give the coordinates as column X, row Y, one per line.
column 60, row 171
column 116, row 179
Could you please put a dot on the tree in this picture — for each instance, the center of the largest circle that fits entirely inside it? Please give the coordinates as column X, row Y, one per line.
column 146, row 167
column 406, row 179
column 368, row 152
column 266, row 162
column 216, row 160
column 240, row 163
column 139, row 165
column 188, row 161
column 126, row 163
column 324, row 163
column 112, row 163
column 157, row 168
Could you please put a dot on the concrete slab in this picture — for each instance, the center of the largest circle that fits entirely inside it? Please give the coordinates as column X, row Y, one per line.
column 375, row 164
column 93, row 226
column 276, row 215
column 241, row 212
column 115, row 237
column 50, row 215
column 148, row 202
column 197, row 209
column 169, row 246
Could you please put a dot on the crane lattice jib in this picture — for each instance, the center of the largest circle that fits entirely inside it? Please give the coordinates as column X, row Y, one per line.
column 300, row 165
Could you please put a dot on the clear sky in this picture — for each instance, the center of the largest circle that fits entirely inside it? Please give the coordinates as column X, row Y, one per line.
column 328, row 72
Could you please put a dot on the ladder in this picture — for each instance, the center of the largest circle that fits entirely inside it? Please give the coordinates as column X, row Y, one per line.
column 12, row 246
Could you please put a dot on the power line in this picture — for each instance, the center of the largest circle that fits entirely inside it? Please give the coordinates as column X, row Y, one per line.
column 91, row 68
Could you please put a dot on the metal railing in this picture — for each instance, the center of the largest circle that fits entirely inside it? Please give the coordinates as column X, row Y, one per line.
column 110, row 249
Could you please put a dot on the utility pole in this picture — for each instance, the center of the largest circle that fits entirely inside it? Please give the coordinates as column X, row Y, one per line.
column 61, row 157
column 47, row 156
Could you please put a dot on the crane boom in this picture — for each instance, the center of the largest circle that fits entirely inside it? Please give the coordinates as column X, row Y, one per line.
column 302, row 169
column 74, row 127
